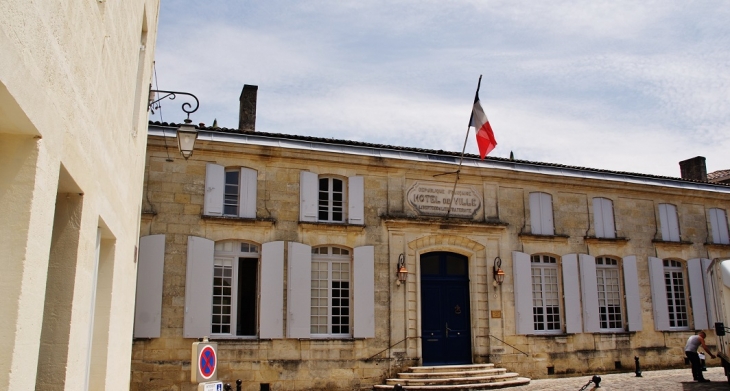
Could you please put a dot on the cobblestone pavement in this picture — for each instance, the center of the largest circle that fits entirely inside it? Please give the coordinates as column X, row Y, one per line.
column 671, row 380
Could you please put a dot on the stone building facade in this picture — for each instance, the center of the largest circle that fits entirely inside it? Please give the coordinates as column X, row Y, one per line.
column 285, row 250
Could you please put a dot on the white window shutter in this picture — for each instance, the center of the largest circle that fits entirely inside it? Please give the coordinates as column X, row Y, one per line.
column 214, row 187
column 571, row 292
column 673, row 223
column 697, row 292
column 271, row 308
column 299, row 293
column 722, row 226
column 718, row 222
column 633, row 295
column 198, row 288
column 609, row 226
column 589, row 291
column 247, row 193
column 715, row 226
column 546, row 214
column 522, row 275
column 709, row 297
column 364, row 292
column 664, row 221
column 356, row 200
column 148, row 305
column 658, row 294
column 308, row 196
column 536, row 214
column 598, row 217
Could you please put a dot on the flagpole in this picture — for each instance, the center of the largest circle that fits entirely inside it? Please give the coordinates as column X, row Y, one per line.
column 461, row 160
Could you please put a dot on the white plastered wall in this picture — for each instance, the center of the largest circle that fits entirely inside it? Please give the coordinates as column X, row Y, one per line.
column 72, row 120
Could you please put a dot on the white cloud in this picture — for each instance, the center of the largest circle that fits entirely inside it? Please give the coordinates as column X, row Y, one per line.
column 615, row 85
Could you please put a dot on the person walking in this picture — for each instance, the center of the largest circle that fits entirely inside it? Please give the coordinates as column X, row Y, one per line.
column 690, row 350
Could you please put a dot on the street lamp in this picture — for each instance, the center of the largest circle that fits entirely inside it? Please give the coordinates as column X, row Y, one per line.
column 186, row 133
column 498, row 272
column 401, row 271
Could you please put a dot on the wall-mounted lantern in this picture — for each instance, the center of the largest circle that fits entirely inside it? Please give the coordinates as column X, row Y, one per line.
column 401, row 271
column 186, row 133
column 498, row 272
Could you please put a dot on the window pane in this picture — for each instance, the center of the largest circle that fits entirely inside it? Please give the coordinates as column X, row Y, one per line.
column 456, row 266
column 330, row 292
column 545, row 294
column 430, row 264
column 230, row 194
column 221, row 296
column 676, row 298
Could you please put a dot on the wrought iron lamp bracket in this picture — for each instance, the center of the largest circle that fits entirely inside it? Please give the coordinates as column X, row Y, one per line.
column 186, row 106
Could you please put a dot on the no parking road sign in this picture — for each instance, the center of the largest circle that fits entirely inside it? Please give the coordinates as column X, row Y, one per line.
column 204, row 362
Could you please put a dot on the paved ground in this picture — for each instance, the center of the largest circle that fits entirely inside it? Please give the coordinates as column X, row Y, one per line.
column 670, row 380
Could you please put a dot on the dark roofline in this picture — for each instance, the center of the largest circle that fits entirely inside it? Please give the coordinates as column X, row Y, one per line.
column 173, row 125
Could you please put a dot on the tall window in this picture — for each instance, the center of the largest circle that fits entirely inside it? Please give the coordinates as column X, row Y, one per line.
column 331, row 275
column 331, row 199
column 676, row 297
column 545, row 293
column 609, row 294
column 230, row 195
column 230, row 192
column 235, row 287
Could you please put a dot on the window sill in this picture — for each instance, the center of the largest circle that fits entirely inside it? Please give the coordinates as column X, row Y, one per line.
column 666, row 243
column 329, row 338
column 718, row 245
column 239, row 220
column 543, row 238
column 249, row 338
column 593, row 239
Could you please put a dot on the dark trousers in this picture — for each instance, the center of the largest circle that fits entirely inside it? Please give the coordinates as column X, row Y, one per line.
column 694, row 358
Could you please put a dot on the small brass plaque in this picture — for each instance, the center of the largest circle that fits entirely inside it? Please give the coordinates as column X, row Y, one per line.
column 496, row 314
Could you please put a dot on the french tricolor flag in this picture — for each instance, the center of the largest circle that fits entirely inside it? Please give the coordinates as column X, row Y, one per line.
column 485, row 136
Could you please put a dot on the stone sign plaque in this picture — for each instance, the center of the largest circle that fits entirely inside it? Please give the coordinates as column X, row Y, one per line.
column 432, row 199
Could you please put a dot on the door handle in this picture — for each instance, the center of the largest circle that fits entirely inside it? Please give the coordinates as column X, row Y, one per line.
column 447, row 330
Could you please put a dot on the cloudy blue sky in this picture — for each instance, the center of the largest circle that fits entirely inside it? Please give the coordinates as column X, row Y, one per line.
column 622, row 85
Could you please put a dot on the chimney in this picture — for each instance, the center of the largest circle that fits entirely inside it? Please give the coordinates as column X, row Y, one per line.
column 694, row 169
column 247, row 110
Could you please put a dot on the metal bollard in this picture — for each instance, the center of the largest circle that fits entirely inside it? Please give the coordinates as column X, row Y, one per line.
column 596, row 380
column 227, row 387
column 238, row 384
column 398, row 387
column 638, row 366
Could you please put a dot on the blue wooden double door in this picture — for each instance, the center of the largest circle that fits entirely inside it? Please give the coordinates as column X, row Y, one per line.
column 445, row 320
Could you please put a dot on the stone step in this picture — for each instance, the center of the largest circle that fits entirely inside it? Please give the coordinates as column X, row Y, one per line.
column 519, row 381
column 451, row 368
column 453, row 380
column 438, row 375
